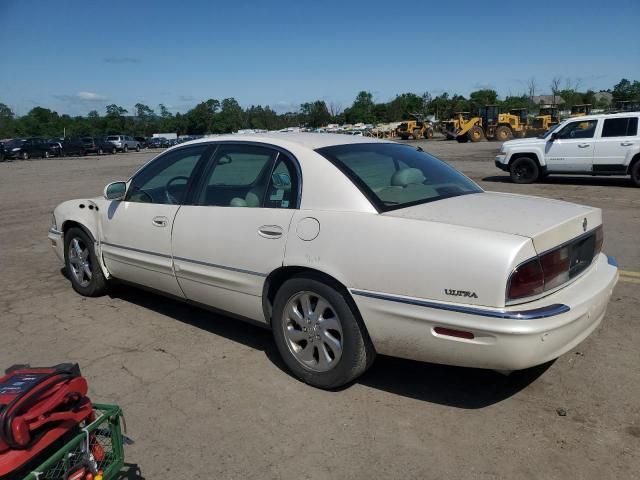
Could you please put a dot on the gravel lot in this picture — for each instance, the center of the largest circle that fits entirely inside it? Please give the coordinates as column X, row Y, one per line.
column 206, row 396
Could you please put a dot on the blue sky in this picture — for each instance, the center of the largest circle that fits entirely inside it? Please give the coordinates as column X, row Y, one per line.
column 75, row 56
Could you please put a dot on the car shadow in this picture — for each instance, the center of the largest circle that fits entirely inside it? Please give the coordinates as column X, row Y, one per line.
column 571, row 180
column 130, row 471
column 466, row 388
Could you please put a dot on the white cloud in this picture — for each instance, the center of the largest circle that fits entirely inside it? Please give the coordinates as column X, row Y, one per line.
column 90, row 97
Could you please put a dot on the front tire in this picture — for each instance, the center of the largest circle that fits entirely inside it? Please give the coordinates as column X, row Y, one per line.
column 319, row 335
column 137, row 148
column 428, row 133
column 524, row 170
column 475, row 134
column 82, row 264
column 126, row 149
column 635, row 173
column 25, row 155
column 100, row 151
column 416, row 134
column 503, row 134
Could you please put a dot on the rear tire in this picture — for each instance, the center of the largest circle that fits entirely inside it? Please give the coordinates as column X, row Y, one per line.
column 82, row 265
column 503, row 134
column 428, row 133
column 137, row 148
column 126, row 149
column 45, row 154
column 635, row 173
column 25, row 155
column 100, row 151
column 462, row 138
column 416, row 134
column 302, row 334
column 524, row 170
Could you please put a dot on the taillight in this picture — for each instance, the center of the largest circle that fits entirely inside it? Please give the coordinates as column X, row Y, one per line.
column 599, row 240
column 555, row 267
column 526, row 280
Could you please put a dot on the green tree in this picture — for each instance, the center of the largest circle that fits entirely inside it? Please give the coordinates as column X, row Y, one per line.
column 481, row 98
column 626, row 90
column 361, row 110
column 315, row 114
column 7, row 121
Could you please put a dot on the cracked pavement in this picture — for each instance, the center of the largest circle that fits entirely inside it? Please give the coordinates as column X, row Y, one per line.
column 207, row 396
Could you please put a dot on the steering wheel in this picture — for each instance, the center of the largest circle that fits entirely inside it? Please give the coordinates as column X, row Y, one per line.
column 167, row 191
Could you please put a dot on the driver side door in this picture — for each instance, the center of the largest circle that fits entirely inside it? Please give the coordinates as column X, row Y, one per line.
column 136, row 232
column 573, row 147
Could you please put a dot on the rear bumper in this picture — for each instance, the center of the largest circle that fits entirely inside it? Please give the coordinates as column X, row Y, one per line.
column 512, row 338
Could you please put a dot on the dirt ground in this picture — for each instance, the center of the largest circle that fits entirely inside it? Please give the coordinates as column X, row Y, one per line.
column 206, row 396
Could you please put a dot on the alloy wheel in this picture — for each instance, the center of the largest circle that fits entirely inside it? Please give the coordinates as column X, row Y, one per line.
column 80, row 262
column 312, row 331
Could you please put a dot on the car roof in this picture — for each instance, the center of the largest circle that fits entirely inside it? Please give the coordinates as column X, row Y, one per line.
column 282, row 139
column 597, row 116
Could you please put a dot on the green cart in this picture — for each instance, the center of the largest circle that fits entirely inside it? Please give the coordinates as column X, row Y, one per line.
column 98, row 447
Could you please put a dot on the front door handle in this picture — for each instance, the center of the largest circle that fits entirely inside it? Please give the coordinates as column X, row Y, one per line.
column 584, row 145
column 270, row 231
column 160, row 221
column 626, row 144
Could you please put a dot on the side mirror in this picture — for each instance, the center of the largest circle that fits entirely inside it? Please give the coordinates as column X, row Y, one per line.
column 554, row 136
column 115, row 191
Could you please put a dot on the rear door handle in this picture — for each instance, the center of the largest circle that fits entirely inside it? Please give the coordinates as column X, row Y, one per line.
column 270, row 231
column 584, row 145
column 160, row 221
column 626, row 144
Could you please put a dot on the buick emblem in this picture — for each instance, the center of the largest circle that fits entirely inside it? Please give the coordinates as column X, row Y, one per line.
column 584, row 225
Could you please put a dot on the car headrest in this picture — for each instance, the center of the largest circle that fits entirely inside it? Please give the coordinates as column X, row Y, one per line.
column 238, row 202
column 407, row 176
column 252, row 199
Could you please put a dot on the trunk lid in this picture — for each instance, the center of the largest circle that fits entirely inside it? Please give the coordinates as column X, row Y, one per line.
column 547, row 222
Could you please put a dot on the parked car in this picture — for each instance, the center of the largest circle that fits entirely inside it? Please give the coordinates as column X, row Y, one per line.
column 141, row 141
column 55, row 147
column 26, row 148
column 158, row 142
column 98, row 145
column 606, row 144
column 73, row 146
column 2, row 152
column 124, row 143
column 388, row 250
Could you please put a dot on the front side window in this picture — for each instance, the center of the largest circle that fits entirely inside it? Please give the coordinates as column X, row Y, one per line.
column 395, row 176
column 578, row 129
column 165, row 179
column 239, row 177
column 620, row 127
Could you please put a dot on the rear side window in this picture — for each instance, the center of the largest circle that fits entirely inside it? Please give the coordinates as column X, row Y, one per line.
column 620, row 127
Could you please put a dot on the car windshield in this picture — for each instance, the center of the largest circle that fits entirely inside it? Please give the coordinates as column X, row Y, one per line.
column 17, row 142
column 551, row 130
column 395, row 176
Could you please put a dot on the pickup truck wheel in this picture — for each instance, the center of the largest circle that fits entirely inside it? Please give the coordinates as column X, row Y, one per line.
column 524, row 170
column 319, row 336
column 635, row 173
column 82, row 265
column 125, row 149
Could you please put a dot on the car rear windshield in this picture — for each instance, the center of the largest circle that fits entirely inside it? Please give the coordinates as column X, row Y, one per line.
column 395, row 176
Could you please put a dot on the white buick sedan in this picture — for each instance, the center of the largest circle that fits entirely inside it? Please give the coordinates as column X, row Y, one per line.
column 347, row 247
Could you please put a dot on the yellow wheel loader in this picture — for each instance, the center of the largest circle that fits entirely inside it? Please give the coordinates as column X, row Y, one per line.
column 417, row 128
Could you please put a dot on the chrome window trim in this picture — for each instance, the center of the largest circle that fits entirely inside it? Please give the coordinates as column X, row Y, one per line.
column 532, row 314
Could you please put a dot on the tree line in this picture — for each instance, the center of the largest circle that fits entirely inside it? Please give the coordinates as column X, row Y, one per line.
column 215, row 116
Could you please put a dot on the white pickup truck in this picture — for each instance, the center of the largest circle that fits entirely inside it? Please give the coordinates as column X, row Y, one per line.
column 605, row 144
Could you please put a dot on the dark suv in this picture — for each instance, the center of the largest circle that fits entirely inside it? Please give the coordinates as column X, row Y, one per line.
column 73, row 146
column 26, row 148
column 98, row 145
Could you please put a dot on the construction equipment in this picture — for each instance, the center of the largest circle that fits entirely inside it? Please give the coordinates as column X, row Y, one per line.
column 580, row 110
column 460, row 125
column 504, row 126
column 546, row 118
column 627, row 106
column 417, row 128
